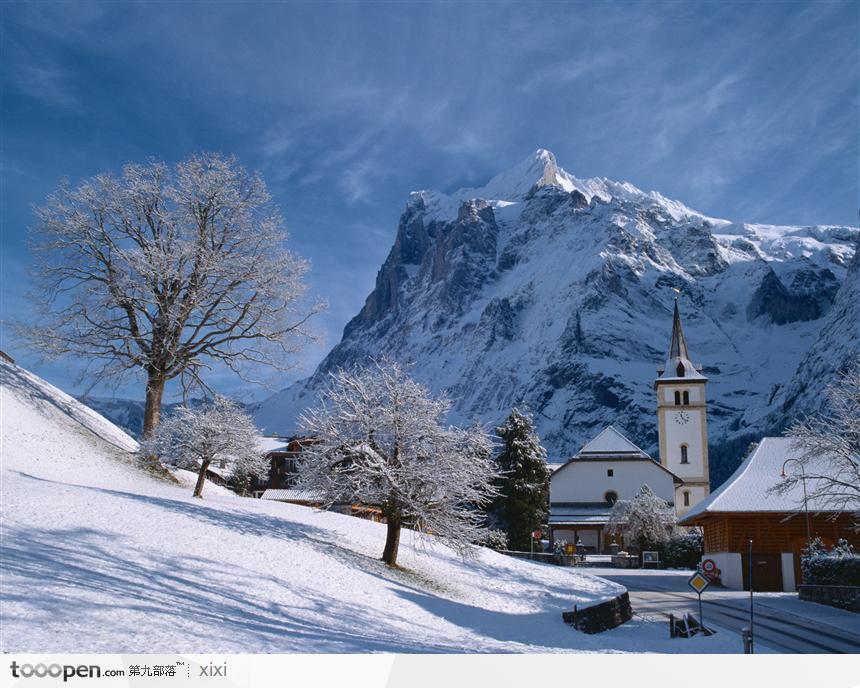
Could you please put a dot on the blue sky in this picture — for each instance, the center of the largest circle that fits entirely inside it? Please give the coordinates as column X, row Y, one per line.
column 747, row 111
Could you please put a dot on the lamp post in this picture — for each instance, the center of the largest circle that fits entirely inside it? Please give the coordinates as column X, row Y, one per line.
column 805, row 501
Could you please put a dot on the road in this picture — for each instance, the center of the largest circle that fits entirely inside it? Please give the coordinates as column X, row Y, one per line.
column 792, row 630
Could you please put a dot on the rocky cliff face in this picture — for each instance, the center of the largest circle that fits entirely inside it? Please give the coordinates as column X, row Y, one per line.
column 545, row 291
column 836, row 348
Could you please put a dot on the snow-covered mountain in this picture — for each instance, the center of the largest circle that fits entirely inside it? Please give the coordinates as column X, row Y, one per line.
column 835, row 349
column 546, row 291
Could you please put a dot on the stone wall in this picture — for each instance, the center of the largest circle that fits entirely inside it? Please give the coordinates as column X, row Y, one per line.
column 600, row 617
column 842, row 596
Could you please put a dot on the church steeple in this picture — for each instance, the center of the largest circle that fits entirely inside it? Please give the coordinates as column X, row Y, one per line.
column 678, row 345
column 682, row 419
column 678, row 363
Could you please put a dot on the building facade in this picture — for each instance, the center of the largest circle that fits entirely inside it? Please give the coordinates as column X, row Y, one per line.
column 583, row 490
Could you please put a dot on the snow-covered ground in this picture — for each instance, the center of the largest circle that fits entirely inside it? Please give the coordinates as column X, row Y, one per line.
column 100, row 556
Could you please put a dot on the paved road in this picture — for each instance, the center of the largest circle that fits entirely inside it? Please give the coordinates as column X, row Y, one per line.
column 662, row 593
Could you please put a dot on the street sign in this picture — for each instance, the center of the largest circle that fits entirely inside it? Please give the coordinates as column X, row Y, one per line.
column 698, row 582
column 536, row 534
column 709, row 566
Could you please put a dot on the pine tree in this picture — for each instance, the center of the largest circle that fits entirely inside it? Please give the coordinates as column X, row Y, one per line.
column 523, row 487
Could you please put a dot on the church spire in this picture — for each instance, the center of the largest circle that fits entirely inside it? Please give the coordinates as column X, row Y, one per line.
column 678, row 363
column 678, row 345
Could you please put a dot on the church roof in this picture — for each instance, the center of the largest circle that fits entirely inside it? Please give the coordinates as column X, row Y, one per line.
column 747, row 489
column 678, row 364
column 610, row 442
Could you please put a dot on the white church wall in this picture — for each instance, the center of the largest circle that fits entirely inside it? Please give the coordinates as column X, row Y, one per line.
column 697, row 494
column 689, row 433
column 588, row 481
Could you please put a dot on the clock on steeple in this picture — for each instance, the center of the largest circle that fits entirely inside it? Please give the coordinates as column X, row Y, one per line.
column 682, row 420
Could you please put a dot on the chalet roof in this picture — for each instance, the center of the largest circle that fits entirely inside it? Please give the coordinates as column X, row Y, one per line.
column 746, row 491
column 270, row 444
column 292, row 496
column 678, row 365
column 610, row 442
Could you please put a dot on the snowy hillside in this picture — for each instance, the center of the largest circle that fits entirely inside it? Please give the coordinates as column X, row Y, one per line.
column 545, row 290
column 98, row 556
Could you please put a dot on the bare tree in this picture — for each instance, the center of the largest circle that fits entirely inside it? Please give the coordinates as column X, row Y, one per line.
column 194, row 437
column 828, row 449
column 381, row 439
column 166, row 271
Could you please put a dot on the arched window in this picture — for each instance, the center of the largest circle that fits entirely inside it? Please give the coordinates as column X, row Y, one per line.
column 677, row 398
column 686, row 498
column 684, row 457
column 611, row 497
column 686, row 398
column 680, row 369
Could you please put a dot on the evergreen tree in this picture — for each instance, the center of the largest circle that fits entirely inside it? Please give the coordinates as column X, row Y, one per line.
column 523, row 486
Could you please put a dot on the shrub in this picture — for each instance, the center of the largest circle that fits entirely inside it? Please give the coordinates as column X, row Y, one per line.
column 684, row 551
column 497, row 540
column 839, row 566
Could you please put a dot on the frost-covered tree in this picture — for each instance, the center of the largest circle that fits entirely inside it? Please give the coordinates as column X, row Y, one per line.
column 164, row 272
column 194, row 437
column 828, row 446
column 646, row 519
column 381, row 438
column 523, row 485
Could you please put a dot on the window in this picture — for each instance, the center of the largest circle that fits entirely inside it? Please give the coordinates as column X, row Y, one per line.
column 611, row 497
column 677, row 398
column 684, row 457
column 680, row 370
column 686, row 398
column 610, row 472
column 686, row 498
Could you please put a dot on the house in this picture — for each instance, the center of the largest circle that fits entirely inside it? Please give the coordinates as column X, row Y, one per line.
column 283, row 454
column 582, row 491
column 743, row 510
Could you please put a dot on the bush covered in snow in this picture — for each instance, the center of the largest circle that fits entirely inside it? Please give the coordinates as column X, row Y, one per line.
column 683, row 550
column 839, row 566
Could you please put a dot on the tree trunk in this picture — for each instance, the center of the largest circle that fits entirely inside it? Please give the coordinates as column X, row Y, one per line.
column 392, row 538
column 201, row 478
column 152, row 412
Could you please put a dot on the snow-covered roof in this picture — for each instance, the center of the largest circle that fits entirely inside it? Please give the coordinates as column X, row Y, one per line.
column 747, row 489
column 292, row 496
column 268, row 444
column 579, row 514
column 610, row 442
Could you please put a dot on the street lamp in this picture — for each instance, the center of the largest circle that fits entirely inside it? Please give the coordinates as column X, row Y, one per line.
column 805, row 501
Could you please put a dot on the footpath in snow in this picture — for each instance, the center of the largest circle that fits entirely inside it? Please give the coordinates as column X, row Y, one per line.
column 99, row 556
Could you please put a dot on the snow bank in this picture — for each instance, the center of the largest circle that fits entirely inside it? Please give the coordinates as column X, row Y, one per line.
column 99, row 556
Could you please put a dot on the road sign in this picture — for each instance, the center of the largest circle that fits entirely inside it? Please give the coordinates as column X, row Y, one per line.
column 536, row 534
column 698, row 582
column 709, row 566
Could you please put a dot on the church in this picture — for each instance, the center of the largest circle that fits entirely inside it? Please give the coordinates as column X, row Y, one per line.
column 611, row 467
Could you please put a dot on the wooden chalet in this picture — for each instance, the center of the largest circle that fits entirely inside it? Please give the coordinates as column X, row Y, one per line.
column 743, row 509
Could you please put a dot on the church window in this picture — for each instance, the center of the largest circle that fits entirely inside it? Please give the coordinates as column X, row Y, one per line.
column 610, row 472
column 684, row 457
column 677, row 398
column 686, row 498
column 611, row 497
column 686, row 398
column 680, row 370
